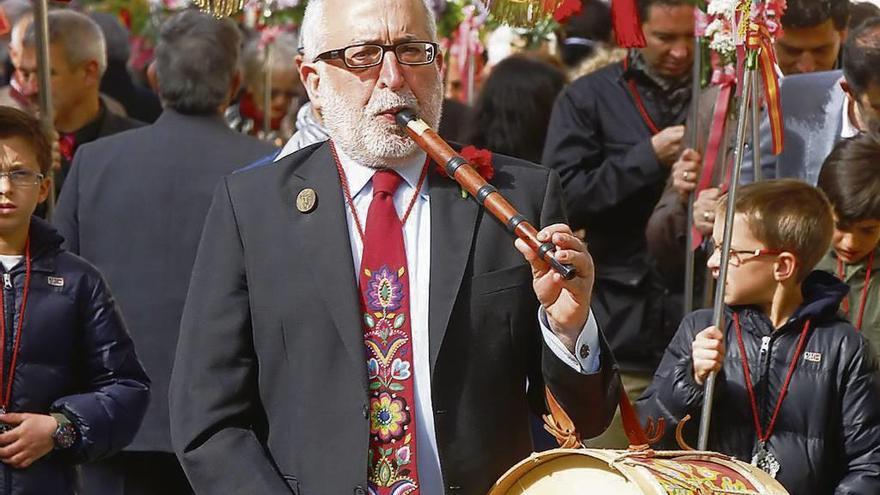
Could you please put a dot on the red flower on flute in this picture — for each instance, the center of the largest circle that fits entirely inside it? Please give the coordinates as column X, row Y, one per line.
column 479, row 158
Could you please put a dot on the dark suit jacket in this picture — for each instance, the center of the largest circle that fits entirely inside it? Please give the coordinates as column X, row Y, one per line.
column 601, row 146
column 269, row 390
column 133, row 205
column 812, row 113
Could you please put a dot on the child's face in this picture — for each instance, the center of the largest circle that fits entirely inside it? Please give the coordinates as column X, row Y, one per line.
column 19, row 193
column 853, row 243
column 749, row 277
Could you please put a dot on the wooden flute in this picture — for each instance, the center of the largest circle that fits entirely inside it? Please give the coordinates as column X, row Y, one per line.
column 484, row 193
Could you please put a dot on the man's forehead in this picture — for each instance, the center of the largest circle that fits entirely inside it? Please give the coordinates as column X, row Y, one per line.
column 9, row 157
column 381, row 21
column 808, row 37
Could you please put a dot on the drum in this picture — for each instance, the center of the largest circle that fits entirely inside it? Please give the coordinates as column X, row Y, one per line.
column 621, row 472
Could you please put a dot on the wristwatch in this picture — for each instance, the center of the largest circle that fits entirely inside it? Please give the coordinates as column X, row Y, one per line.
column 65, row 434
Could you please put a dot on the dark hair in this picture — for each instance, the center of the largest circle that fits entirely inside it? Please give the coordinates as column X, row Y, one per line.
column 196, row 60
column 850, row 178
column 811, row 13
column 861, row 56
column 860, row 12
column 787, row 215
column 581, row 33
column 513, row 110
column 15, row 123
column 645, row 6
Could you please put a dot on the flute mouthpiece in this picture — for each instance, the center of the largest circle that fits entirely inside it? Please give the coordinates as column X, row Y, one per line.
column 405, row 116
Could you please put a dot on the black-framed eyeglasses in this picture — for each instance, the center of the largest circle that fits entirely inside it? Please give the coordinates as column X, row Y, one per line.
column 22, row 177
column 369, row 54
column 738, row 256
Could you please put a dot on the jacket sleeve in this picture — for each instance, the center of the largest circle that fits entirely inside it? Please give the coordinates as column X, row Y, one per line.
column 66, row 215
column 673, row 392
column 109, row 410
column 214, row 404
column 666, row 236
column 575, row 148
column 589, row 399
column 860, row 423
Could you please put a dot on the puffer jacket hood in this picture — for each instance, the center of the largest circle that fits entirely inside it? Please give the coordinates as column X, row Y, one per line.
column 75, row 357
column 827, row 434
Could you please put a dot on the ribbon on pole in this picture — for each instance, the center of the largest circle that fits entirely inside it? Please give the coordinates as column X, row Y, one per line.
column 725, row 79
column 627, row 25
column 5, row 26
column 759, row 39
column 467, row 48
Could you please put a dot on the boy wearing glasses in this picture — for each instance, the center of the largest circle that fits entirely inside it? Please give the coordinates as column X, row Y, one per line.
column 850, row 177
column 71, row 387
column 797, row 389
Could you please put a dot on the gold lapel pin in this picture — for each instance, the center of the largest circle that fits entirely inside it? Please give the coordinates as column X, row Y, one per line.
column 306, row 200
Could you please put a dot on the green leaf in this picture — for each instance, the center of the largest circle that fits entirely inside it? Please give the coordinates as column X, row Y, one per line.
column 398, row 322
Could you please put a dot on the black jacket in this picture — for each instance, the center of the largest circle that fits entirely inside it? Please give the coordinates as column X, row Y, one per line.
column 827, row 435
column 76, row 358
column 134, row 204
column 601, row 147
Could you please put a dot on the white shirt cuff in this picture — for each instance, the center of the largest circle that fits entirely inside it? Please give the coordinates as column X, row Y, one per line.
column 587, row 345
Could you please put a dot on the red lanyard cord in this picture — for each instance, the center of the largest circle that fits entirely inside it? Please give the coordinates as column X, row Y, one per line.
column 7, row 390
column 863, row 299
column 762, row 434
column 637, row 99
column 348, row 198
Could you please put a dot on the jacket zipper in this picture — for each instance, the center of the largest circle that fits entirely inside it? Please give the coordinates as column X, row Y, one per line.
column 764, row 358
column 8, row 302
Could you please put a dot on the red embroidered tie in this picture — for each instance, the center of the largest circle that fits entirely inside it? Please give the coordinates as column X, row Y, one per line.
column 384, row 284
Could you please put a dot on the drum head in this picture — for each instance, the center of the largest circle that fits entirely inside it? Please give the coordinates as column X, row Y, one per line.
column 563, row 472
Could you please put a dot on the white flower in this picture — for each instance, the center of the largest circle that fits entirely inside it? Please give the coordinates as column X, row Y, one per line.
column 723, row 8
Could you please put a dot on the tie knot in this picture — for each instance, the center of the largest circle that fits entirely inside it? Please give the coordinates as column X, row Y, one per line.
column 386, row 181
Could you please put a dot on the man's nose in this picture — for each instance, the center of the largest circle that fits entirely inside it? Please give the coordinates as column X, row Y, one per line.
column 681, row 50
column 30, row 86
column 391, row 72
column 714, row 261
column 806, row 63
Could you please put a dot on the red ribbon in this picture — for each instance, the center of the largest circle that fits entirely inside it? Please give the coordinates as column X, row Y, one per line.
column 4, row 23
column 760, row 39
column 725, row 80
column 567, row 9
column 627, row 26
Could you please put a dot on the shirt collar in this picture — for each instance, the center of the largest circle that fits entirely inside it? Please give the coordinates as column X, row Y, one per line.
column 358, row 176
column 848, row 128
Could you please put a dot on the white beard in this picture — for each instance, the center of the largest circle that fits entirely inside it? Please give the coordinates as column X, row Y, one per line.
column 368, row 137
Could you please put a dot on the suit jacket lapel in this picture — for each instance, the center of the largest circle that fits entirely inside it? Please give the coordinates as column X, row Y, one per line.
column 323, row 235
column 453, row 223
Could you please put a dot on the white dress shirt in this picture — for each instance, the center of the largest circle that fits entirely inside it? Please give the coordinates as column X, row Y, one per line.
column 848, row 128
column 417, row 241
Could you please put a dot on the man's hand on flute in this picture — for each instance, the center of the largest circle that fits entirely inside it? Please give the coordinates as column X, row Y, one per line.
column 567, row 302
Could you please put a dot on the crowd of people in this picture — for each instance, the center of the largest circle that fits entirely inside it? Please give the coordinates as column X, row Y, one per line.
column 253, row 281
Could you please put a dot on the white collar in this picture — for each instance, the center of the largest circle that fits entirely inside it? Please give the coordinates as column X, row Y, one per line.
column 848, row 128
column 358, row 176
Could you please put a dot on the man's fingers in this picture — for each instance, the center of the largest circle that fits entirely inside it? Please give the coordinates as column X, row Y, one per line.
column 7, row 452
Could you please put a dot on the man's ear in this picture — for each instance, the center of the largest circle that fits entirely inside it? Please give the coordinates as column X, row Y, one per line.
column 311, row 79
column 785, row 267
column 152, row 78
column 93, row 73
column 45, row 186
column 441, row 62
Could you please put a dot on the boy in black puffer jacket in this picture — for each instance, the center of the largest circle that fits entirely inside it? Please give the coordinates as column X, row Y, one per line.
column 71, row 387
column 797, row 391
